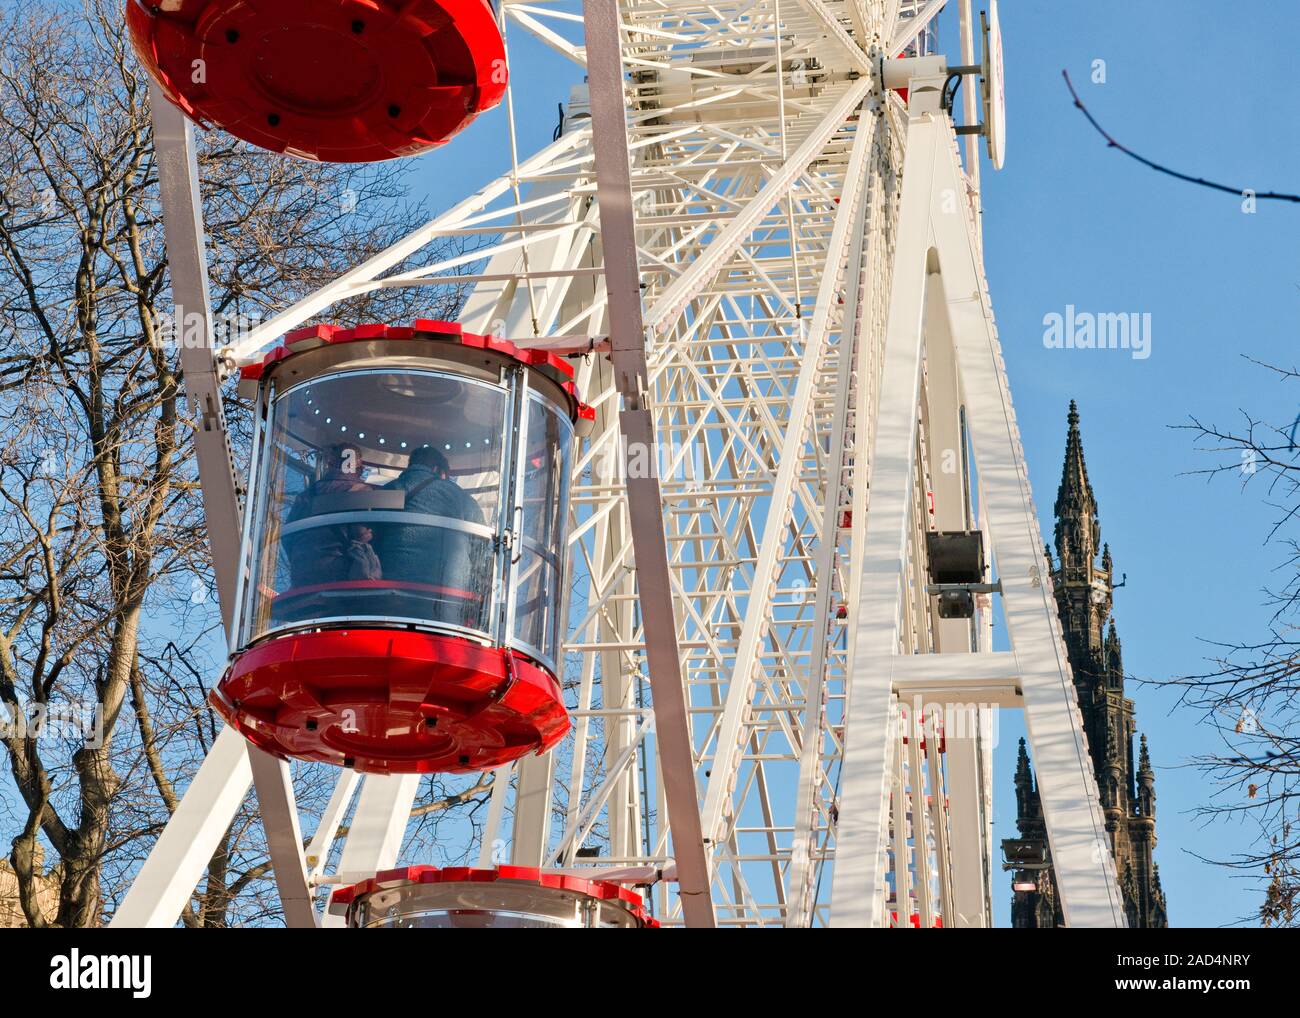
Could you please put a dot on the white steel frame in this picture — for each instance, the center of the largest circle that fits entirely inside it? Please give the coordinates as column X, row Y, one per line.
column 775, row 267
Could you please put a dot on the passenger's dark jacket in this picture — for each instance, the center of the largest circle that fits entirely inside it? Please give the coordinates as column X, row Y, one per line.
column 429, row 554
column 329, row 554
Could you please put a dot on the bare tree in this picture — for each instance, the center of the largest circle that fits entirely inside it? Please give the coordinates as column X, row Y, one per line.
column 1251, row 696
column 109, row 633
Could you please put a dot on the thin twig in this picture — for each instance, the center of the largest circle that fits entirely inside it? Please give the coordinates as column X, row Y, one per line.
column 1276, row 195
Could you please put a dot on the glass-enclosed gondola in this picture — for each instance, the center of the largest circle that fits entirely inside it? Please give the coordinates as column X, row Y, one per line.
column 404, row 546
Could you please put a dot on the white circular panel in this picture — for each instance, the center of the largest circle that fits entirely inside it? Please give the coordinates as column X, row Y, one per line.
column 995, row 96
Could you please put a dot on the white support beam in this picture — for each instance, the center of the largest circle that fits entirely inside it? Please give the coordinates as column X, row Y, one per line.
column 902, row 867
column 548, row 35
column 279, row 808
column 168, row 877
column 187, row 267
column 969, row 685
column 328, row 828
column 363, row 277
column 488, row 854
column 939, row 816
column 858, row 890
column 580, row 827
column 532, row 810
column 378, row 827
column 909, row 29
column 996, row 668
column 974, row 698
column 921, row 836
column 644, row 497
column 966, row 831
column 1081, row 856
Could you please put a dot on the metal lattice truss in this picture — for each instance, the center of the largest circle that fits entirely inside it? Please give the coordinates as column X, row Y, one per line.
column 772, row 266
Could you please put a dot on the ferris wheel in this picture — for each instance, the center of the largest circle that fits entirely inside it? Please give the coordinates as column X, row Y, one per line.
column 691, row 529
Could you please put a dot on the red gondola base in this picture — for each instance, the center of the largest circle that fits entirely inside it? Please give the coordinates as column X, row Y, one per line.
column 563, row 883
column 391, row 701
column 346, row 81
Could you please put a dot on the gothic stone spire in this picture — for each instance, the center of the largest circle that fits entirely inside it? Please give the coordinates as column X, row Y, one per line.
column 1084, row 596
column 1078, row 534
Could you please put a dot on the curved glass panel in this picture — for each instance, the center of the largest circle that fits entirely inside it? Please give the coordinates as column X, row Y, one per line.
column 540, row 548
column 379, row 499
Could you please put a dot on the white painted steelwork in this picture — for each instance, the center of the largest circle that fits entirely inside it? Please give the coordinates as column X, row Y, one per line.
column 772, row 265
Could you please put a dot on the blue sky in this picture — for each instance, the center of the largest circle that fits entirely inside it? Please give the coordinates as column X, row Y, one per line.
column 1070, row 222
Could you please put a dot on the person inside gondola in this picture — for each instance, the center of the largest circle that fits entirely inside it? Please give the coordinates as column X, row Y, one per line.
column 428, row 552
column 332, row 553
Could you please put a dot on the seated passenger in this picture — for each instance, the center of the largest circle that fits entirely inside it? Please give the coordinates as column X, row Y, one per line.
column 440, row 556
column 331, row 554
